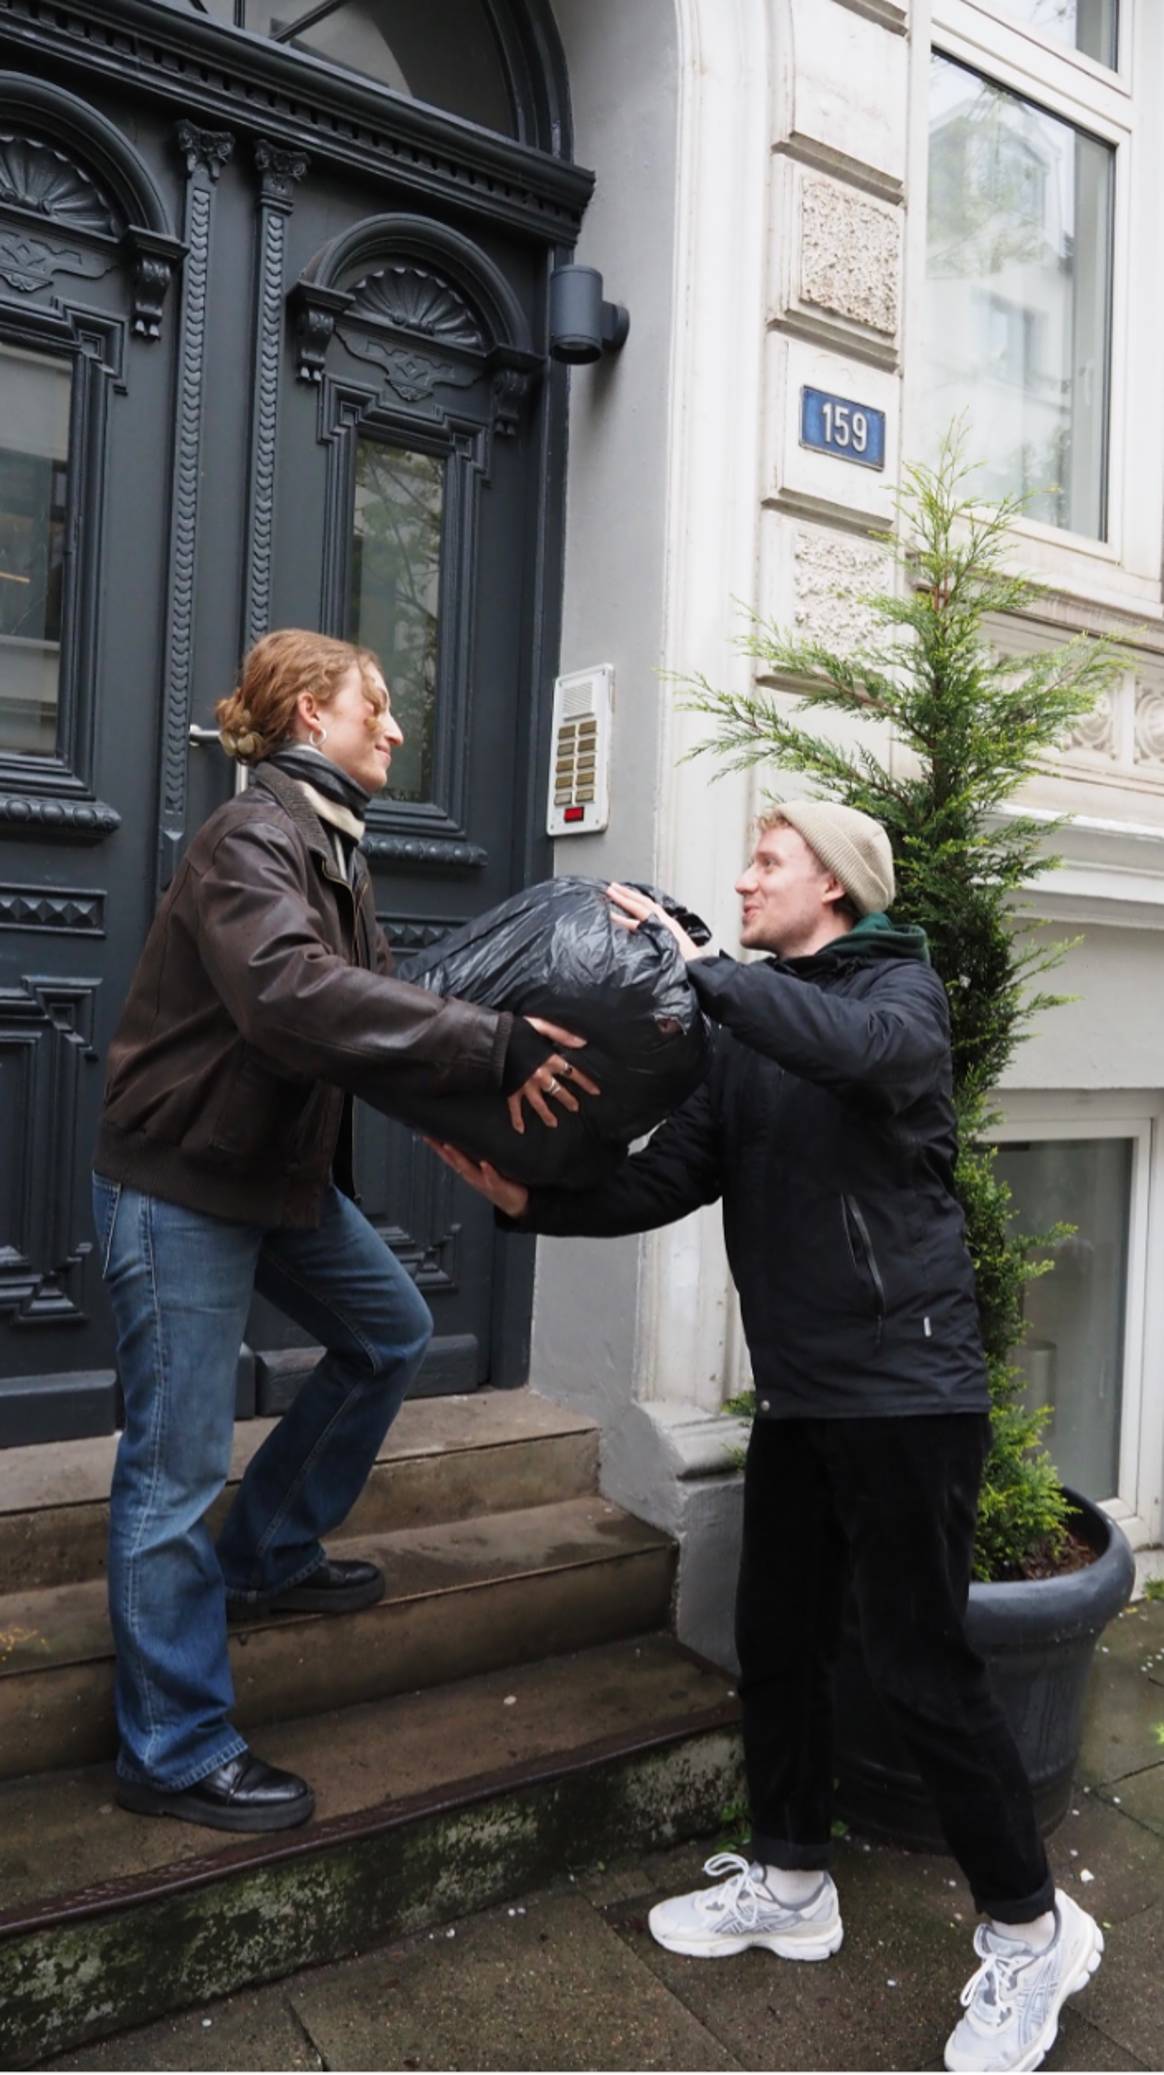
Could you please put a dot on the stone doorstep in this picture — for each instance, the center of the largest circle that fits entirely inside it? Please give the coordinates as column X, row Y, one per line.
column 443, row 1459
column 496, row 1781
column 69, row 1473
column 463, row 1597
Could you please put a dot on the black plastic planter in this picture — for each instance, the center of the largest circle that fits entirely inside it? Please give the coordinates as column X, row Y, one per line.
column 1038, row 1639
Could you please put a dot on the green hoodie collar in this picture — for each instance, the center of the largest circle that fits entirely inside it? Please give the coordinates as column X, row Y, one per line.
column 875, row 936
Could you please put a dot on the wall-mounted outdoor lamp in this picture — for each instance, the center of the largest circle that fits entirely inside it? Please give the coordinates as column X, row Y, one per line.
column 582, row 326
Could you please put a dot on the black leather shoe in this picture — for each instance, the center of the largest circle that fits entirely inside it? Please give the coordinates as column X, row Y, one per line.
column 243, row 1794
column 337, row 1587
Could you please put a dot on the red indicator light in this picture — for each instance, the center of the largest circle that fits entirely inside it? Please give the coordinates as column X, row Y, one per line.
column 574, row 814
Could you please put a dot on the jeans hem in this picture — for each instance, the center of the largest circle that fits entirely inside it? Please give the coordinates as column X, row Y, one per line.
column 1025, row 1910
column 234, row 1748
column 261, row 1594
column 791, row 1858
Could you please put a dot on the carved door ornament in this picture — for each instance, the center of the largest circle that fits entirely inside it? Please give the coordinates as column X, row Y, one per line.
column 76, row 202
column 424, row 307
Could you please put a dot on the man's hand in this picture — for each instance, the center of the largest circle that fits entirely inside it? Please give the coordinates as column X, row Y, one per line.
column 509, row 1197
column 638, row 907
column 550, row 1079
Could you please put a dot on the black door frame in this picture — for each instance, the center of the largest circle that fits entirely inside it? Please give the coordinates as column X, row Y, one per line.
column 207, row 74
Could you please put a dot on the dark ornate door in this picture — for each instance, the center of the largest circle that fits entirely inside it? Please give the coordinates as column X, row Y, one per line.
column 251, row 374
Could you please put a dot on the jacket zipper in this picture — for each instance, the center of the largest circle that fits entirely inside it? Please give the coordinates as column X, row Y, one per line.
column 857, row 1217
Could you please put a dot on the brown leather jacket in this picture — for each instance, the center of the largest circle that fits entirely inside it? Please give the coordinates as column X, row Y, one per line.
column 262, row 1001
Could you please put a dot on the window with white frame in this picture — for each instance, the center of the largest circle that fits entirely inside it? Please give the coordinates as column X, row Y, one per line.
column 1093, row 1166
column 1018, row 294
column 1035, row 274
column 1090, row 26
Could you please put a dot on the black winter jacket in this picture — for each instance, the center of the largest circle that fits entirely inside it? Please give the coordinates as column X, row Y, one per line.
column 827, row 1127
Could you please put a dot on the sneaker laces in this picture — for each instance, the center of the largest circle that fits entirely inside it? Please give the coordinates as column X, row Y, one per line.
column 989, row 1994
column 743, row 1890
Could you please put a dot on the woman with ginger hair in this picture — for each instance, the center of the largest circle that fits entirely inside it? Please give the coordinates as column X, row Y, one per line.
column 262, row 1002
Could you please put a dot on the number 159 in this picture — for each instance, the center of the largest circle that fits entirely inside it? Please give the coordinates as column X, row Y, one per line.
column 846, row 427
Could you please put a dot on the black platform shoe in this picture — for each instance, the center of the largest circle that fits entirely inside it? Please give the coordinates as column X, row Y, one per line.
column 336, row 1587
column 243, row 1794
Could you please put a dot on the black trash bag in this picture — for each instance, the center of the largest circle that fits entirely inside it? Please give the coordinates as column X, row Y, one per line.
column 555, row 951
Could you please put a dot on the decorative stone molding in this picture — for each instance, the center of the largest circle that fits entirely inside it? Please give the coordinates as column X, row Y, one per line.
column 850, row 255
column 280, row 171
column 1149, row 725
column 1094, row 733
column 832, row 573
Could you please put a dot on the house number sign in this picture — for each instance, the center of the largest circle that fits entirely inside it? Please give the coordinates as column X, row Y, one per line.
column 839, row 425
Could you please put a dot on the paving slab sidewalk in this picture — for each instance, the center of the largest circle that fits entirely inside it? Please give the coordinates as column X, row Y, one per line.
column 569, row 1978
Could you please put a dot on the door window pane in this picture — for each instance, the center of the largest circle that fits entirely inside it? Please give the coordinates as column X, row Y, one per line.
column 395, row 596
column 1073, row 1355
column 1087, row 25
column 34, row 452
column 1018, row 296
column 444, row 52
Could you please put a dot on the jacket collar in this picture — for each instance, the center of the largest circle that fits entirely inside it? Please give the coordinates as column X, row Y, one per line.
column 290, row 796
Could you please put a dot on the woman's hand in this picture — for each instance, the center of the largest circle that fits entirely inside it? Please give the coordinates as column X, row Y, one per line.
column 639, row 907
column 551, row 1078
column 509, row 1197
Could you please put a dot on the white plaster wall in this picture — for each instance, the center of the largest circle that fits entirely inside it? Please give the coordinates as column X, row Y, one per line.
column 622, row 69
column 1108, row 1036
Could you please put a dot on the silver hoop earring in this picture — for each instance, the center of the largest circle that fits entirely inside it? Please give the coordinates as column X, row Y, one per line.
column 318, row 737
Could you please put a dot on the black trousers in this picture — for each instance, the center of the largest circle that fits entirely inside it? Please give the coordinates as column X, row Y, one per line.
column 889, row 1504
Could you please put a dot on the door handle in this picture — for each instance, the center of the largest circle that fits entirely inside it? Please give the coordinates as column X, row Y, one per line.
column 199, row 737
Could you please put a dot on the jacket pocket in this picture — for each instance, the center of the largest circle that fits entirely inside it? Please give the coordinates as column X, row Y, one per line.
column 254, row 1113
column 864, row 1257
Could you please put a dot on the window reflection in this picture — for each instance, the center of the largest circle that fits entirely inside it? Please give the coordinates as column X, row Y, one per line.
column 1089, row 26
column 1073, row 1354
column 395, row 594
column 35, row 395
column 1018, row 296
column 444, row 52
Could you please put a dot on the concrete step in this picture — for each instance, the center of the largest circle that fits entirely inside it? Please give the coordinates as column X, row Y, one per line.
column 429, row 1805
column 463, row 1596
column 444, row 1459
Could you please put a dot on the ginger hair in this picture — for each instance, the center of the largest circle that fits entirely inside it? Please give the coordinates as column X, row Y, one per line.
column 260, row 713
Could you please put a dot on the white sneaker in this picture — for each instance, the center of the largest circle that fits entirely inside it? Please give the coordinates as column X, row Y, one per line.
column 713, row 1923
column 1013, row 2002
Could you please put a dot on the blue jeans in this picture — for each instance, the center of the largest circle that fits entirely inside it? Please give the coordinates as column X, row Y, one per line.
column 180, row 1284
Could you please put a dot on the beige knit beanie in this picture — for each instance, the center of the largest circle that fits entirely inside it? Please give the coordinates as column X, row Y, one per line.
column 851, row 845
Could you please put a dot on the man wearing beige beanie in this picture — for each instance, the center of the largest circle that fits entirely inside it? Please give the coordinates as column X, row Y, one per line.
column 826, row 1126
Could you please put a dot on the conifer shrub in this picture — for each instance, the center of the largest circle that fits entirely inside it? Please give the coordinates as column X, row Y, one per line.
column 970, row 725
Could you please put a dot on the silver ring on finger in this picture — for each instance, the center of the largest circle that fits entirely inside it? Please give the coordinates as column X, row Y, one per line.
column 565, row 1070
column 552, row 1085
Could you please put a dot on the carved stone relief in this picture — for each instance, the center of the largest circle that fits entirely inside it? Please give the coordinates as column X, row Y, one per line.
column 849, row 255
column 1094, row 733
column 1150, row 725
column 833, row 572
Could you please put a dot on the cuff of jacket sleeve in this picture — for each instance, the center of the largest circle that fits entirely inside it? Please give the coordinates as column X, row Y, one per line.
column 710, row 977
column 526, row 1051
